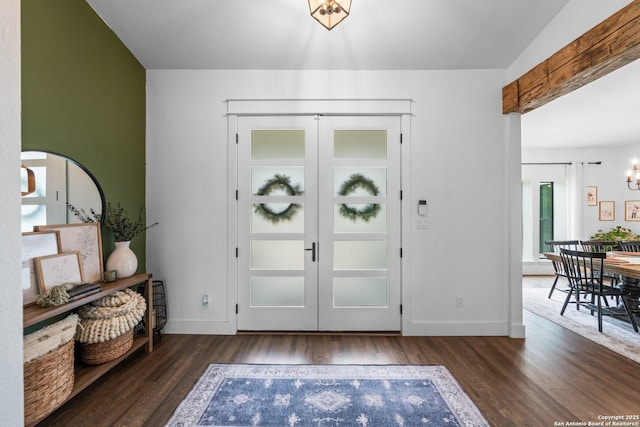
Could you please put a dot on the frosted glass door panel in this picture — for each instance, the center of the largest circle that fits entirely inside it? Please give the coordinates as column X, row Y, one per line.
column 277, row 291
column 354, row 181
column 342, row 224
column 260, row 224
column 276, row 180
column 360, row 255
column 360, row 144
column 277, row 254
column 277, row 144
column 360, row 292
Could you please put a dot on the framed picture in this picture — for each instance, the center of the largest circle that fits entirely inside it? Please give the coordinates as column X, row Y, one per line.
column 54, row 270
column 592, row 195
column 607, row 211
column 35, row 244
column 632, row 210
column 85, row 238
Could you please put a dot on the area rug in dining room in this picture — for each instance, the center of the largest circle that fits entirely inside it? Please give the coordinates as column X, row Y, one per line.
column 326, row 395
column 617, row 335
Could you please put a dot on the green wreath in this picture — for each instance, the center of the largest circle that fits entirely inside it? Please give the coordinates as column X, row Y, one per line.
column 281, row 182
column 354, row 182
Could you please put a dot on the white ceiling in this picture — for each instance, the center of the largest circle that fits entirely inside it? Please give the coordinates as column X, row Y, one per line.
column 378, row 34
column 281, row 34
column 603, row 113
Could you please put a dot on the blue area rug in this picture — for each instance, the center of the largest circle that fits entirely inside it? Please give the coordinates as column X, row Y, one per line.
column 326, row 395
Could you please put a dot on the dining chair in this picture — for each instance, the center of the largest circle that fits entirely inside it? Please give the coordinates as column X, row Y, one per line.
column 630, row 246
column 599, row 245
column 631, row 286
column 585, row 272
column 554, row 246
column 602, row 246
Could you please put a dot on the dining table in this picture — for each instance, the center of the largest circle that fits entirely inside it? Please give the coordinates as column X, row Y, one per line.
column 624, row 265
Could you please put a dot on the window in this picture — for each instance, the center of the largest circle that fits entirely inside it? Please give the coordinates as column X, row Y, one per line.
column 544, row 211
column 546, row 215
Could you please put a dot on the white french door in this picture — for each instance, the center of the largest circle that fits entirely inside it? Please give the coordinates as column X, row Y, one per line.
column 319, row 223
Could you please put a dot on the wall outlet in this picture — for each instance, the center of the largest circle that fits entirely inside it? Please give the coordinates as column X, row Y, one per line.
column 460, row 301
column 205, row 301
column 421, row 223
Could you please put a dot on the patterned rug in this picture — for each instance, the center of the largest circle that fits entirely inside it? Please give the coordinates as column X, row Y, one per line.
column 616, row 335
column 326, row 395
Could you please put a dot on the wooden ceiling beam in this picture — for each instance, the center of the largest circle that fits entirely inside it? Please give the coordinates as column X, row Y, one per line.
column 606, row 47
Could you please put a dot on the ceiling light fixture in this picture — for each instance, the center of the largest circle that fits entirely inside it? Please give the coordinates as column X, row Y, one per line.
column 329, row 12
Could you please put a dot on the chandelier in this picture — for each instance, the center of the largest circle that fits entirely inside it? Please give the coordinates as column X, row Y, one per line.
column 329, row 12
column 635, row 172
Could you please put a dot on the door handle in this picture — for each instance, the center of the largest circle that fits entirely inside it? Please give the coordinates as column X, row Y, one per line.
column 313, row 251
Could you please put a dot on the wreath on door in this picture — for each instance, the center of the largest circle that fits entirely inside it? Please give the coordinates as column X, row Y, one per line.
column 354, row 182
column 278, row 182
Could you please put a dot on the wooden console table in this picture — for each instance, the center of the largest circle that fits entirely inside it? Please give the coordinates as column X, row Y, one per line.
column 85, row 375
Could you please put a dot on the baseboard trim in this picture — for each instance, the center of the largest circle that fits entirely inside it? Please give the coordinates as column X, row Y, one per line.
column 457, row 329
column 199, row 327
column 413, row 329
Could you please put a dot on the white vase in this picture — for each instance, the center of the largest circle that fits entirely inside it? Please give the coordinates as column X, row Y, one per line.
column 123, row 260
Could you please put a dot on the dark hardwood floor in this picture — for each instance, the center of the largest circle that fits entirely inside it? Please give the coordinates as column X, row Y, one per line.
column 552, row 376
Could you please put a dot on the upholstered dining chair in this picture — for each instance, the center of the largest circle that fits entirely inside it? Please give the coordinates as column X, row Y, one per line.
column 554, row 246
column 585, row 272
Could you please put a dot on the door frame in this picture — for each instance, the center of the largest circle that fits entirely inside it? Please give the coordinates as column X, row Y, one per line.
column 316, row 107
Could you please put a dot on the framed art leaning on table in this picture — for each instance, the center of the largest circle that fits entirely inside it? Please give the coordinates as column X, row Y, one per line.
column 85, row 238
column 55, row 270
column 35, row 244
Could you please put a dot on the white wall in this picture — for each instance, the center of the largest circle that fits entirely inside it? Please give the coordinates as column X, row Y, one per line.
column 459, row 156
column 465, row 160
column 11, row 384
column 609, row 177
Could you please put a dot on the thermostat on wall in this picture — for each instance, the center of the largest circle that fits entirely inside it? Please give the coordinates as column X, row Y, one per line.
column 422, row 207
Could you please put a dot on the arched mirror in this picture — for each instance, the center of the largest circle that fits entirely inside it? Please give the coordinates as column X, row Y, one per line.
column 58, row 180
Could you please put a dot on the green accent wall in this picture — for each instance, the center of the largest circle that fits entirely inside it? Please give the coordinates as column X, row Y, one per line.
column 83, row 96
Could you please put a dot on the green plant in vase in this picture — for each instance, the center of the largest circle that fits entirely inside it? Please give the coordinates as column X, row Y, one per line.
column 124, row 228
column 122, row 260
column 117, row 221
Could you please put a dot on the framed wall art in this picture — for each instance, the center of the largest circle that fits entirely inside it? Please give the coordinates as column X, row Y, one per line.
column 607, row 211
column 55, row 270
column 632, row 210
column 35, row 244
column 592, row 195
column 85, row 238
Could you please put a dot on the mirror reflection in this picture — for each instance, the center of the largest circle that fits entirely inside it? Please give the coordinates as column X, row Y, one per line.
column 58, row 180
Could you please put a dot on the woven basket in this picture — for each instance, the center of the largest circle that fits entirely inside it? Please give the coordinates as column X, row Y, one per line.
column 102, row 352
column 48, row 381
